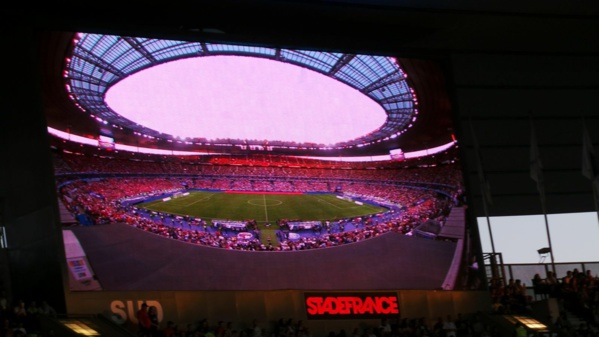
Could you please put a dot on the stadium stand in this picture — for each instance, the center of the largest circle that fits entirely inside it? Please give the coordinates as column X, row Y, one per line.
column 413, row 192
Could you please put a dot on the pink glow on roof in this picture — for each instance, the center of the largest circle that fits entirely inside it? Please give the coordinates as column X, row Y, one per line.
column 244, row 98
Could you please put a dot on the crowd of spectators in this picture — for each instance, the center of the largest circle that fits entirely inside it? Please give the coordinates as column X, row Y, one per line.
column 68, row 159
column 22, row 319
column 471, row 325
column 71, row 164
column 101, row 199
column 511, row 297
column 576, row 294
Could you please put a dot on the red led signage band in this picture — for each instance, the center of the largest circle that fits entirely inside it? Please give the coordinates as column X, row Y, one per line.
column 351, row 305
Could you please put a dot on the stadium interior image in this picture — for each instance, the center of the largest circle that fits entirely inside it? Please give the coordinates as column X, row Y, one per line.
column 325, row 169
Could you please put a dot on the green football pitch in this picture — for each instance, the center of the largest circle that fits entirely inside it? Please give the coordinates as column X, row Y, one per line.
column 264, row 208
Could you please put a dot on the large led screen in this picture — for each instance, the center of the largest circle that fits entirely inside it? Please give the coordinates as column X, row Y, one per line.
column 237, row 167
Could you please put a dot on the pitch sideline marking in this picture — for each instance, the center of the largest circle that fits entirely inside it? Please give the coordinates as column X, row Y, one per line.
column 202, row 199
column 338, row 207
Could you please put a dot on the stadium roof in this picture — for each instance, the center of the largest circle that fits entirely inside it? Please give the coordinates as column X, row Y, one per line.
column 79, row 78
column 99, row 61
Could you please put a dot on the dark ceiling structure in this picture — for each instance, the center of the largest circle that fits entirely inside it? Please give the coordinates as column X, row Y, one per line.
column 500, row 68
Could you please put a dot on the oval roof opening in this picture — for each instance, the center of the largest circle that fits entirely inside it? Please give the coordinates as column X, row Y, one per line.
column 241, row 97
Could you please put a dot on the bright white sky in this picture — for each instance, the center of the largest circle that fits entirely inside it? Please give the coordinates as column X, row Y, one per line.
column 574, row 237
column 254, row 98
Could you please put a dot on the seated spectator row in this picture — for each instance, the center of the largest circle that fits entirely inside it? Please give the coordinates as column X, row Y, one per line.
column 69, row 163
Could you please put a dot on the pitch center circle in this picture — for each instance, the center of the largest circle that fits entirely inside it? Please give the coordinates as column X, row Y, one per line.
column 264, row 202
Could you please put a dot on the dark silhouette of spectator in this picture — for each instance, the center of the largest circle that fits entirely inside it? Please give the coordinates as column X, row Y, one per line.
column 170, row 329
column 144, row 323
column 46, row 309
column 155, row 324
